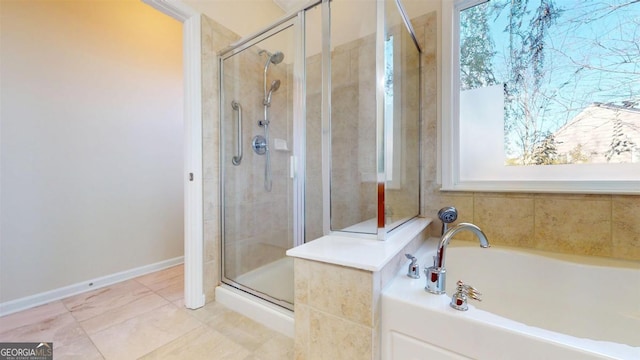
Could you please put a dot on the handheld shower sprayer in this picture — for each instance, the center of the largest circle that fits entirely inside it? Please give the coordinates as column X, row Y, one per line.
column 275, row 85
column 447, row 215
column 272, row 58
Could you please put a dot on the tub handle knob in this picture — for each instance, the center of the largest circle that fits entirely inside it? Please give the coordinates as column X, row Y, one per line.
column 414, row 269
column 459, row 299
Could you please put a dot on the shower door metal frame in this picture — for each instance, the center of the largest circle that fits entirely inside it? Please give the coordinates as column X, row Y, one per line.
column 297, row 160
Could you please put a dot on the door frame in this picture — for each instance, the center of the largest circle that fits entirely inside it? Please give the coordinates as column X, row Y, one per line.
column 194, row 296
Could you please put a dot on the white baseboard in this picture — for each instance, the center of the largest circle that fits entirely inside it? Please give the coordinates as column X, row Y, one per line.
column 267, row 314
column 28, row 302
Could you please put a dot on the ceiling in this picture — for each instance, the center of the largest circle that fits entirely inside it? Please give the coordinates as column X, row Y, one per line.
column 290, row 5
column 351, row 18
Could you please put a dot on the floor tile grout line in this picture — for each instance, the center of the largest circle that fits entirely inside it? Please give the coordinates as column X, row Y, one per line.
column 124, row 320
column 200, row 321
column 90, row 339
column 159, row 289
column 162, row 296
column 31, row 309
column 120, row 306
column 170, row 342
column 151, row 291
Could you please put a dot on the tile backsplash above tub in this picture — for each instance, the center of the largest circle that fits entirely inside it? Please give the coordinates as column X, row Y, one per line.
column 595, row 225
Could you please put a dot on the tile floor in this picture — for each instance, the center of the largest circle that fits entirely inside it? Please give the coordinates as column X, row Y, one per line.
column 144, row 318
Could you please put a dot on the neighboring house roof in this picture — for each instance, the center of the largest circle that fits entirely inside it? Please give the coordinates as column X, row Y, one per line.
column 602, row 133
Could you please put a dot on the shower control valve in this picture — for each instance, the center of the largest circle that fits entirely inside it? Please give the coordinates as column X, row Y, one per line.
column 259, row 144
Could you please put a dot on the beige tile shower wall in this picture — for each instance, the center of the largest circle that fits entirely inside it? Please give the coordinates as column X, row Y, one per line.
column 403, row 202
column 242, row 82
column 598, row 225
column 353, row 112
column 313, row 180
column 214, row 38
column 253, row 230
column 345, row 99
column 257, row 222
column 363, row 73
column 352, row 134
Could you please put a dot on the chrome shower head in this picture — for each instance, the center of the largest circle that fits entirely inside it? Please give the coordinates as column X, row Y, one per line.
column 277, row 57
column 447, row 215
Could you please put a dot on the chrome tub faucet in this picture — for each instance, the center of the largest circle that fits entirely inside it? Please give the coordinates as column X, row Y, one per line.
column 436, row 274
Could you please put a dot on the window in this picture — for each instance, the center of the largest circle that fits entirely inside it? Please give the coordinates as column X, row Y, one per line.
column 545, row 96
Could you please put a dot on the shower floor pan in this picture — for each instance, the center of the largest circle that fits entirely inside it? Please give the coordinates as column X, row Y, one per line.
column 274, row 279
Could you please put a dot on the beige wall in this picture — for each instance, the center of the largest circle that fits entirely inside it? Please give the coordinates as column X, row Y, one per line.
column 92, row 149
column 242, row 17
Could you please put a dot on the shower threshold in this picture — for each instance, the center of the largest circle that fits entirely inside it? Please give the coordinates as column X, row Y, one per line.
column 272, row 316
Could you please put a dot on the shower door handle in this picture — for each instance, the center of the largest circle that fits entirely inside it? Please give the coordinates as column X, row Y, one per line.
column 238, row 157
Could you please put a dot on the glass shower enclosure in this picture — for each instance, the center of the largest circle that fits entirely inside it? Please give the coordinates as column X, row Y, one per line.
column 258, row 148
column 319, row 126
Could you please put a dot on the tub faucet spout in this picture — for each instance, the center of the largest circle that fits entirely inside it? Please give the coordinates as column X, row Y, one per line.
column 436, row 274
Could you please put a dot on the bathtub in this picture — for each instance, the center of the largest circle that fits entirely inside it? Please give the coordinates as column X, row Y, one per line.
column 535, row 306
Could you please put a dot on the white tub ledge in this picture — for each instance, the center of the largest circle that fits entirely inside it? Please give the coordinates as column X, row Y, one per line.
column 357, row 252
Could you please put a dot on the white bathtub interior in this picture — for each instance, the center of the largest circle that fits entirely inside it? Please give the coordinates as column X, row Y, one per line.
column 534, row 307
column 577, row 296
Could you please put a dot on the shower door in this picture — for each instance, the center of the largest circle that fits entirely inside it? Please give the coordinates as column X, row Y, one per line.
column 257, row 160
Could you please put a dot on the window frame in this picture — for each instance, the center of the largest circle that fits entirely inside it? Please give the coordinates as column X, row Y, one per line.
column 449, row 156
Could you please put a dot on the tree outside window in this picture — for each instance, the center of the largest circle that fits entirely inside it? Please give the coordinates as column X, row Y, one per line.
column 570, row 72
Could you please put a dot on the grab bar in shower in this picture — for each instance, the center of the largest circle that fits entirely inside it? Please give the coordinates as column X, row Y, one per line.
column 238, row 158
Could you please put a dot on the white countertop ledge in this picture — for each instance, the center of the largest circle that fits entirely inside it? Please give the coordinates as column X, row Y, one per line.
column 360, row 253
